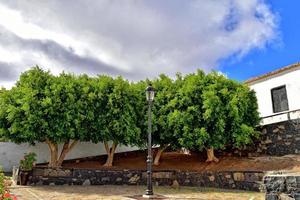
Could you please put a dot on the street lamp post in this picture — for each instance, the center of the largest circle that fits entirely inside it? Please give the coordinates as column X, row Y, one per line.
column 150, row 97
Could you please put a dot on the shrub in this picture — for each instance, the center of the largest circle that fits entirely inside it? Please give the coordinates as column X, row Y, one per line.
column 2, row 184
column 28, row 161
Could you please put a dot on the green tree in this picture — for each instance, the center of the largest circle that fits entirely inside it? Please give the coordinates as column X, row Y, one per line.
column 45, row 108
column 163, row 133
column 115, row 116
column 212, row 112
column 68, row 110
column 186, row 119
column 230, row 114
column 3, row 107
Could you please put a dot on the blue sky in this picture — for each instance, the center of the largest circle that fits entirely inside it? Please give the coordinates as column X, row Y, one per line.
column 142, row 39
column 283, row 51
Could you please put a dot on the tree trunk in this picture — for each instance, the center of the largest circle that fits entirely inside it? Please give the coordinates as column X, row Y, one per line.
column 66, row 149
column 211, row 156
column 159, row 153
column 56, row 161
column 110, row 154
column 53, row 153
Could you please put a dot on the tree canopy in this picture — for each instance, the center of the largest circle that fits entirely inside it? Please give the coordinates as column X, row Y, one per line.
column 196, row 111
column 212, row 112
column 45, row 108
column 115, row 117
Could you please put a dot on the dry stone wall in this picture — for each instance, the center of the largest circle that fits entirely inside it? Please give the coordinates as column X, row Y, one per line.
column 282, row 186
column 245, row 180
column 276, row 139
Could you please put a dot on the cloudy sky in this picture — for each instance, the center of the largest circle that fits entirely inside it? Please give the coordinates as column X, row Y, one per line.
column 133, row 38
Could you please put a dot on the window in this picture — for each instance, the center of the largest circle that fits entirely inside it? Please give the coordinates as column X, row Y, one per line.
column 279, row 99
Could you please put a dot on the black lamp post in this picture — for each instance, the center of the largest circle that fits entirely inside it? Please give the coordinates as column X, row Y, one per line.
column 150, row 97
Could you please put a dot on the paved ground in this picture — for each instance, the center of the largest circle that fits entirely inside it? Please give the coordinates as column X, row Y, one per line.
column 124, row 192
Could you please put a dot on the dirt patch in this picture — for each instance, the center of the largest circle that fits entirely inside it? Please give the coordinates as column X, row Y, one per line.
column 193, row 162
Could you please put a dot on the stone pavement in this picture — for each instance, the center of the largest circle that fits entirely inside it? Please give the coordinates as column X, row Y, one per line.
column 108, row 192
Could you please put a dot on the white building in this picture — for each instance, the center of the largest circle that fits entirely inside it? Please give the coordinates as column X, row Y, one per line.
column 278, row 94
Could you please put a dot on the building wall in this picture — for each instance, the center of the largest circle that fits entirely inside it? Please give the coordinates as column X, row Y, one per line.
column 11, row 153
column 291, row 79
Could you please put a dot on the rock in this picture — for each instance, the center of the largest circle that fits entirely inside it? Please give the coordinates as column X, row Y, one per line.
column 64, row 173
column 276, row 130
column 119, row 179
column 39, row 183
column 86, row 182
column 211, row 178
column 105, row 179
column 282, row 127
column 228, row 176
column 52, row 184
column 50, row 172
column 264, row 147
column 271, row 197
column 238, row 176
column 161, row 174
column 251, row 177
column 297, row 195
column 259, row 150
column 279, row 138
column 187, row 181
column 283, row 196
column 134, row 179
column 264, row 131
column 275, row 184
column 268, row 141
column 175, row 184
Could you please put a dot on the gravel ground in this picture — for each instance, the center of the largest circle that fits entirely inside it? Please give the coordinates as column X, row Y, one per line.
column 126, row 193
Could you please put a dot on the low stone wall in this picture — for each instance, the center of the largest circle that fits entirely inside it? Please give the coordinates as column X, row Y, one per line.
column 276, row 139
column 247, row 180
column 282, row 186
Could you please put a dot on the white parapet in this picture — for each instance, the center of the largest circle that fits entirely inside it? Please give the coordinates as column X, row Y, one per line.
column 11, row 153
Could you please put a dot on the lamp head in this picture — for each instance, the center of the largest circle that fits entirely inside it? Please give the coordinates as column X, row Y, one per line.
column 150, row 92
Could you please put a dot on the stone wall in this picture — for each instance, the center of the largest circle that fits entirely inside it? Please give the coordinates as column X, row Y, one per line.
column 276, row 139
column 247, row 180
column 282, row 186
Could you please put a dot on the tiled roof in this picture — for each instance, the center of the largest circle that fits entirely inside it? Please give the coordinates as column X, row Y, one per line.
column 278, row 71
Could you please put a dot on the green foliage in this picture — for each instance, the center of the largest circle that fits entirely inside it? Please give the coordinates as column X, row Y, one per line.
column 195, row 111
column 115, row 116
column 213, row 112
column 163, row 131
column 28, row 161
column 2, row 184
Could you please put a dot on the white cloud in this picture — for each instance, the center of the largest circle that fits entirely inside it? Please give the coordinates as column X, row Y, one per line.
column 137, row 39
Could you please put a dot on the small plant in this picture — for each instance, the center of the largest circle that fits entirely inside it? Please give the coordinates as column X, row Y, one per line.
column 4, row 192
column 2, row 184
column 8, row 196
column 27, row 163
